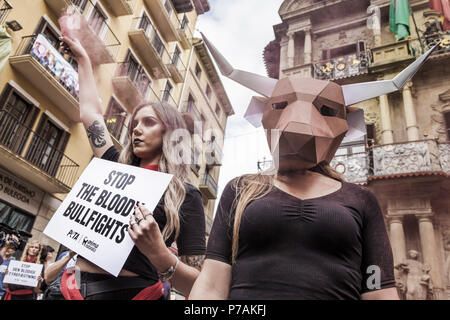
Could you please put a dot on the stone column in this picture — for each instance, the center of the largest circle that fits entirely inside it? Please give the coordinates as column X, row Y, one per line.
column 283, row 55
column 386, row 123
column 308, row 46
column 412, row 128
column 397, row 237
column 429, row 252
column 291, row 49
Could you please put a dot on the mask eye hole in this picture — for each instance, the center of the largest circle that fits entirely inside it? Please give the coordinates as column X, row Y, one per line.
column 279, row 105
column 328, row 112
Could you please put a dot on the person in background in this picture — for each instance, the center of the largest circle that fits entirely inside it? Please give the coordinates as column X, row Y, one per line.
column 7, row 251
column 17, row 292
column 54, row 271
column 45, row 259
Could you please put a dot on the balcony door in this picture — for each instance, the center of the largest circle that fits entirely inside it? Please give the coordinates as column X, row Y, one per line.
column 47, row 147
column 16, row 116
column 137, row 74
column 97, row 20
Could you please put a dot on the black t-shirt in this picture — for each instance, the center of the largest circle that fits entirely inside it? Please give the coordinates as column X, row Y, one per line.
column 191, row 240
column 321, row 248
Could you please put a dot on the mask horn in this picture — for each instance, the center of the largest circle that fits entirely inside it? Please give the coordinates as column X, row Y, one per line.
column 354, row 93
column 262, row 85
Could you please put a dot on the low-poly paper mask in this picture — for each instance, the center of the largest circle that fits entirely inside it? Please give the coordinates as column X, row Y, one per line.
column 307, row 119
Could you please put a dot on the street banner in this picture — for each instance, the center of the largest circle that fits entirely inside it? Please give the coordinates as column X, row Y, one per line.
column 93, row 219
column 23, row 273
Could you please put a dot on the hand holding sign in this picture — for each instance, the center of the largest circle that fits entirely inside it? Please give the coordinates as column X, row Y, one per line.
column 145, row 233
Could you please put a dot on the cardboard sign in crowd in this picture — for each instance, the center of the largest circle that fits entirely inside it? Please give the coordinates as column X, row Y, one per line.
column 94, row 217
column 23, row 273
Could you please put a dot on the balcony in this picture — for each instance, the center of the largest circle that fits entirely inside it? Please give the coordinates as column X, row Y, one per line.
column 417, row 46
column 132, row 85
column 150, row 47
column 343, row 67
column 387, row 55
column 57, row 79
column 165, row 16
column 416, row 158
column 208, row 187
column 5, row 9
column 33, row 158
column 213, row 154
column 354, row 167
column 121, row 7
column 182, row 6
column 94, row 33
column 177, row 68
column 409, row 157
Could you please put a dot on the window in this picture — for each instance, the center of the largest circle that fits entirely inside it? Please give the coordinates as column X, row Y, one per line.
column 81, row 4
column 218, row 110
column 168, row 92
column 16, row 118
column 447, row 123
column 184, row 22
column 136, row 73
column 168, row 7
column 198, row 71
column 115, row 118
column 158, row 44
column 47, row 146
column 359, row 47
column 208, row 91
column 145, row 24
column 176, row 56
column 97, row 20
column 190, row 104
column 4, row 10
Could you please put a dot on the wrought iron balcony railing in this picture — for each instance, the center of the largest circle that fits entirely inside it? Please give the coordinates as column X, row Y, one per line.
column 36, row 150
column 5, row 9
column 137, row 76
column 428, row 41
column 343, row 67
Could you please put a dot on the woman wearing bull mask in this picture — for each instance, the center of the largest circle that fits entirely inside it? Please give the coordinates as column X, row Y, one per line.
column 178, row 217
column 298, row 231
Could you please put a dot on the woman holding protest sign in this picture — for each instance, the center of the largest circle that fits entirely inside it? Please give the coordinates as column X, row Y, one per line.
column 178, row 217
column 18, row 292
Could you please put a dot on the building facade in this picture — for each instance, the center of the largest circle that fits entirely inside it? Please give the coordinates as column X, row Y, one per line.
column 404, row 158
column 140, row 50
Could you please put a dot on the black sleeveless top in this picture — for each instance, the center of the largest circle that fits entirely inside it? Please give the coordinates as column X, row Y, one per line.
column 191, row 240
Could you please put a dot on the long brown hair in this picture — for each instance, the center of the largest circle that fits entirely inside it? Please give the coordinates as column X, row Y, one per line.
column 176, row 192
column 252, row 187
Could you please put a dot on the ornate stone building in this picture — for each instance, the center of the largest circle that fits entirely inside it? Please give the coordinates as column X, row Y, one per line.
column 405, row 156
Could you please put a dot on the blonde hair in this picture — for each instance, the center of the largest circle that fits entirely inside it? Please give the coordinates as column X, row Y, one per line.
column 27, row 247
column 176, row 192
column 252, row 187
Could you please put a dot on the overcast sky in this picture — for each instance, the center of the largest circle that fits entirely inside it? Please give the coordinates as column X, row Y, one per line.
column 241, row 29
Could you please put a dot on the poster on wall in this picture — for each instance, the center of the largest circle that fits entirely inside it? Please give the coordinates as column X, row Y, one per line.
column 93, row 219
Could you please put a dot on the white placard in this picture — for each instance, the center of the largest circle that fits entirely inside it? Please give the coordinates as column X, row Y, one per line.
column 94, row 217
column 23, row 273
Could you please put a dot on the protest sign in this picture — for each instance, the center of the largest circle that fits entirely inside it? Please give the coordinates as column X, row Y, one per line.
column 93, row 219
column 23, row 273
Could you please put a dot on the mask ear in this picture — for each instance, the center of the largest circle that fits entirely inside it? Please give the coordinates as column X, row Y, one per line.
column 356, row 125
column 255, row 111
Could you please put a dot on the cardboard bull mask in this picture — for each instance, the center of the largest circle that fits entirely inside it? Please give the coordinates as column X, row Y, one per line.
column 307, row 119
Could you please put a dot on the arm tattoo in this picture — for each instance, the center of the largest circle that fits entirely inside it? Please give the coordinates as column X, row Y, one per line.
column 194, row 261
column 96, row 134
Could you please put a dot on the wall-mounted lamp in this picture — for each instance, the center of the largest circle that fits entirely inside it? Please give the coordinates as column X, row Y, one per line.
column 14, row 25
